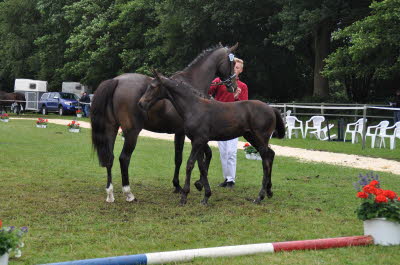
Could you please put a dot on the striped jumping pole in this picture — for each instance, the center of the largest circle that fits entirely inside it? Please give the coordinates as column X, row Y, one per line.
column 227, row 251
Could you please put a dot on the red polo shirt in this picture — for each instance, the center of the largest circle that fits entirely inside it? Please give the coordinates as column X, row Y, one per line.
column 220, row 93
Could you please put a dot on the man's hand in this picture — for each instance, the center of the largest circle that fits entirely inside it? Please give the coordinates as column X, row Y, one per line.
column 237, row 93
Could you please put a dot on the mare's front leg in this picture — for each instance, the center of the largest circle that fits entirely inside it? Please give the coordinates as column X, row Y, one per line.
column 197, row 148
column 179, row 141
column 267, row 155
column 124, row 160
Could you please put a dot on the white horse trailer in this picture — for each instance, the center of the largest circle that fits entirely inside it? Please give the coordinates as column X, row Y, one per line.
column 74, row 87
column 33, row 90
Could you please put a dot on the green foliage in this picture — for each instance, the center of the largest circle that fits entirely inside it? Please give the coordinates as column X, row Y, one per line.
column 370, row 209
column 10, row 238
column 370, row 47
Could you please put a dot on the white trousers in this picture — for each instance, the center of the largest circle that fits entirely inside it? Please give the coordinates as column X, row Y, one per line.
column 227, row 154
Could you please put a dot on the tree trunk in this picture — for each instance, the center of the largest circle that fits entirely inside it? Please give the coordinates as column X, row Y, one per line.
column 321, row 47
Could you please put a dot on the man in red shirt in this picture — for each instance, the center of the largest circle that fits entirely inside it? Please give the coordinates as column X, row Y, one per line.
column 228, row 149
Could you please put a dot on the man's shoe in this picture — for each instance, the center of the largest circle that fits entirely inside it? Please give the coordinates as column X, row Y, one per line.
column 230, row 184
column 223, row 184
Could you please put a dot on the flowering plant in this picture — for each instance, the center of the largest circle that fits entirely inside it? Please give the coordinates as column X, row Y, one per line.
column 78, row 111
column 376, row 202
column 42, row 121
column 4, row 116
column 10, row 239
column 73, row 125
column 249, row 149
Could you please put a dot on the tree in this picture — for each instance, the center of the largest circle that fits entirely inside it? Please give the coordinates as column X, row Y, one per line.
column 371, row 50
column 312, row 22
column 18, row 29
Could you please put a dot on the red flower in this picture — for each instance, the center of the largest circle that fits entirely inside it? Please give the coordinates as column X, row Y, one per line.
column 362, row 195
column 381, row 198
column 398, row 199
column 390, row 194
column 1, row 223
column 246, row 144
column 369, row 189
column 378, row 192
column 374, row 183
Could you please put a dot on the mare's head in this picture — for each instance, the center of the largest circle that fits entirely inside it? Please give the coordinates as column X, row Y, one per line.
column 212, row 62
column 226, row 68
column 155, row 91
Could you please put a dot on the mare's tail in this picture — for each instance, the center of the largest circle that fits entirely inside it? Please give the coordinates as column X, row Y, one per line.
column 99, row 116
column 280, row 125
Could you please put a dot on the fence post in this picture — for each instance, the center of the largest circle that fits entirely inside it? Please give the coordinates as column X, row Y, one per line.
column 364, row 132
column 294, row 108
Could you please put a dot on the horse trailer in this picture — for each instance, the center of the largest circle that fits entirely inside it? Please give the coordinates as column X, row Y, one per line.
column 33, row 90
column 75, row 88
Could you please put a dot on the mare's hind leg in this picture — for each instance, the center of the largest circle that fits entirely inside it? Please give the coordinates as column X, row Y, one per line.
column 179, row 142
column 109, row 163
column 206, row 159
column 125, row 158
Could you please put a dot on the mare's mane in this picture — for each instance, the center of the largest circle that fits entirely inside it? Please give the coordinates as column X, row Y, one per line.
column 200, row 57
column 191, row 89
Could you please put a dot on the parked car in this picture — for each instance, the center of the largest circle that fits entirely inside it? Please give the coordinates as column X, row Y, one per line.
column 60, row 102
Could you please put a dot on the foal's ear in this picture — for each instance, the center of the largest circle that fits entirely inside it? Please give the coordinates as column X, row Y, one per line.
column 234, row 47
column 156, row 75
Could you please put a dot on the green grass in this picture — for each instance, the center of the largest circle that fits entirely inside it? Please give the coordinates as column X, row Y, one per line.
column 51, row 182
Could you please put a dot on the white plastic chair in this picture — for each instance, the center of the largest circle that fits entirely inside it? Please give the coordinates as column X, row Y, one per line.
column 392, row 137
column 373, row 131
column 291, row 126
column 323, row 133
column 358, row 129
column 316, row 125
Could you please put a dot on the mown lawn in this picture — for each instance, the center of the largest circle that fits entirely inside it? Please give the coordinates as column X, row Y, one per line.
column 51, row 182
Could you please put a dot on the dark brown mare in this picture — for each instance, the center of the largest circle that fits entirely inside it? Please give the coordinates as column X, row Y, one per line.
column 115, row 104
column 8, row 99
column 206, row 120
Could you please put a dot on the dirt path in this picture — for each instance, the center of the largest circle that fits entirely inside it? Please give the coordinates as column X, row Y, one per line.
column 362, row 162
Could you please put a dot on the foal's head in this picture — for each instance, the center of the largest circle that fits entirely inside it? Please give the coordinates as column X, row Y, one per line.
column 154, row 92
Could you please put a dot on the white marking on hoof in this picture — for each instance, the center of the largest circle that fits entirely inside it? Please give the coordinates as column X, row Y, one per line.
column 110, row 194
column 129, row 195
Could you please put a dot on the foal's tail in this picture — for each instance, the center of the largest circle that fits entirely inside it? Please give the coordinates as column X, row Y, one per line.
column 280, row 125
column 99, row 116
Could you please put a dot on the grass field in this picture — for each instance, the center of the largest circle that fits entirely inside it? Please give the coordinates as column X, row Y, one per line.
column 51, row 182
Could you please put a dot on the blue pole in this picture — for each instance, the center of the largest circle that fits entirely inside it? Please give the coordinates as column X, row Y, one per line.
column 122, row 260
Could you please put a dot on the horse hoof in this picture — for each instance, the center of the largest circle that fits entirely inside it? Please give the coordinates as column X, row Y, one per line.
column 257, row 201
column 177, row 190
column 198, row 185
column 270, row 194
column 130, row 199
column 110, row 200
column 204, row 202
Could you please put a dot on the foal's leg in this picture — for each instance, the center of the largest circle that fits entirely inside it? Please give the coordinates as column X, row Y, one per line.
column 179, row 142
column 206, row 158
column 203, row 166
column 197, row 148
column 124, row 159
column 267, row 155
